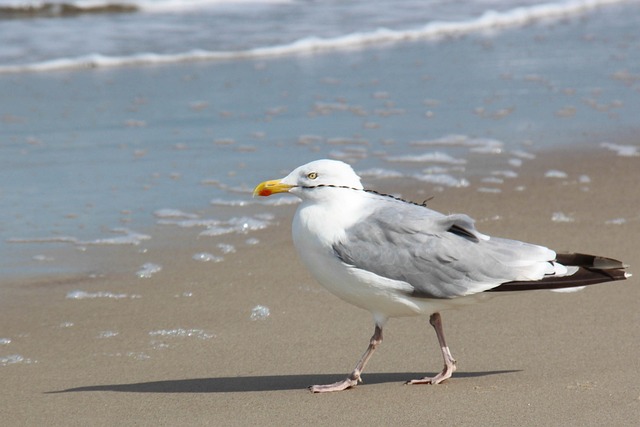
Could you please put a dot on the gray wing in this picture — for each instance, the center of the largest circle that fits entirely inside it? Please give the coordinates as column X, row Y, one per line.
column 439, row 256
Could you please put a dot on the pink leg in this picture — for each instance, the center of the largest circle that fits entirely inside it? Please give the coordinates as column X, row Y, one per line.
column 449, row 361
column 354, row 377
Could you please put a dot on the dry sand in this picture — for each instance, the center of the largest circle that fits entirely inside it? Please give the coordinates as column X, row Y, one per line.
column 536, row 358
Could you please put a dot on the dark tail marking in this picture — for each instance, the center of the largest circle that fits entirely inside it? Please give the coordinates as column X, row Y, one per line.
column 591, row 270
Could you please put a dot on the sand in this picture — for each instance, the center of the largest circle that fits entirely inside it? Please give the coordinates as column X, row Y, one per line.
column 536, row 358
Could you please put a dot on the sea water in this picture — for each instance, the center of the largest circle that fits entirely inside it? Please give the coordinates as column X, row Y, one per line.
column 164, row 111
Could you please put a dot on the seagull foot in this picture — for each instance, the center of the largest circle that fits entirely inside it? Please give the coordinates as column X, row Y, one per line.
column 442, row 376
column 339, row 386
column 425, row 380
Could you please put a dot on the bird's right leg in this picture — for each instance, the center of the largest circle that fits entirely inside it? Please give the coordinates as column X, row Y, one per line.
column 354, row 377
column 449, row 361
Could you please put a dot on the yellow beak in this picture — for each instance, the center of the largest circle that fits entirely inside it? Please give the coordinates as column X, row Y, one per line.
column 268, row 188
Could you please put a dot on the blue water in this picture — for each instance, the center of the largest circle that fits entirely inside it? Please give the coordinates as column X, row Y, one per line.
column 43, row 35
column 85, row 151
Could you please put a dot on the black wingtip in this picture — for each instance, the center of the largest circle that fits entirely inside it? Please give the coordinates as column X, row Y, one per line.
column 591, row 270
column 590, row 261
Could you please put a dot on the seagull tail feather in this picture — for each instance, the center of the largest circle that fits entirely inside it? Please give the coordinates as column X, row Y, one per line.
column 585, row 270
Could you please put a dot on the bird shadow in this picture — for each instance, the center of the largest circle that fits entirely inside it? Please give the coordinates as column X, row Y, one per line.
column 255, row 383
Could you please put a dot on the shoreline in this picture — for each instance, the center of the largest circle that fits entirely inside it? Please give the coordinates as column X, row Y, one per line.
column 182, row 346
column 83, row 260
column 110, row 147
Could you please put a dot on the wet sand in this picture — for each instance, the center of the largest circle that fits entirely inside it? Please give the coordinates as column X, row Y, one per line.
column 182, row 349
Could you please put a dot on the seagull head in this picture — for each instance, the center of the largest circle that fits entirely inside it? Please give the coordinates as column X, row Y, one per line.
column 317, row 174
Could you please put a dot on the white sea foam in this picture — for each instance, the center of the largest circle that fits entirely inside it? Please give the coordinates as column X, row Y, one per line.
column 14, row 359
column 488, row 146
column 260, row 312
column 240, row 225
column 281, row 201
column 5, row 341
column 446, row 140
column 270, row 201
column 245, row 224
column 127, row 237
column 190, row 223
column 561, row 217
column 488, row 21
column 622, row 150
column 266, row 216
column 348, row 154
column 379, row 173
column 173, row 213
column 442, row 179
column 489, row 190
column 584, row 179
column 147, row 270
column 523, row 154
column 183, row 333
column 492, row 180
column 476, row 145
column 135, row 355
column 553, row 173
column 207, row 257
column 108, row 334
column 78, row 295
column 428, row 157
column 616, row 221
column 232, row 203
column 226, row 248
column 185, row 294
column 442, row 169
column 505, row 174
column 217, row 231
column 515, row 162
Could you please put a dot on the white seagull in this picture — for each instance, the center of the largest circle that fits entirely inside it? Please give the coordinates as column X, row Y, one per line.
column 396, row 258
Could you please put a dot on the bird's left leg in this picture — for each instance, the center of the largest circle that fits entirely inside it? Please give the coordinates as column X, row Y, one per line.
column 449, row 361
column 354, row 377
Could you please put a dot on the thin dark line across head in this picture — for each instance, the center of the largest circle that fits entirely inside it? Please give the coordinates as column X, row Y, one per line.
column 423, row 204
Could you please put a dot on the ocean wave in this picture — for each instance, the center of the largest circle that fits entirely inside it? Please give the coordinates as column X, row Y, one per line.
column 126, row 237
column 488, row 21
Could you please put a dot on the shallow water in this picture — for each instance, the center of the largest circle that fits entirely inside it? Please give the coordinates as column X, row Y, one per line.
column 98, row 157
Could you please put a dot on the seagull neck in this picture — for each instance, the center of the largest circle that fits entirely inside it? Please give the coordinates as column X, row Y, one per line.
column 336, row 209
column 336, row 198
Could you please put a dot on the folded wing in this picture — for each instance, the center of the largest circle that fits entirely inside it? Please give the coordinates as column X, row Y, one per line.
column 443, row 256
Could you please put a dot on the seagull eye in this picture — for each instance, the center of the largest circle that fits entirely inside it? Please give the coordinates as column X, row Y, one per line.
column 312, row 175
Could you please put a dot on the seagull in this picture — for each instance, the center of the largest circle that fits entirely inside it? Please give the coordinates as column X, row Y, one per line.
column 395, row 258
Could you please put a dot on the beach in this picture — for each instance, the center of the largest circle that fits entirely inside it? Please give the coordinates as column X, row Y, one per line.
column 143, row 285
column 187, row 351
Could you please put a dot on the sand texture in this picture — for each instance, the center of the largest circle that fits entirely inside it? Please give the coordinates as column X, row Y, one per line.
column 182, row 349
